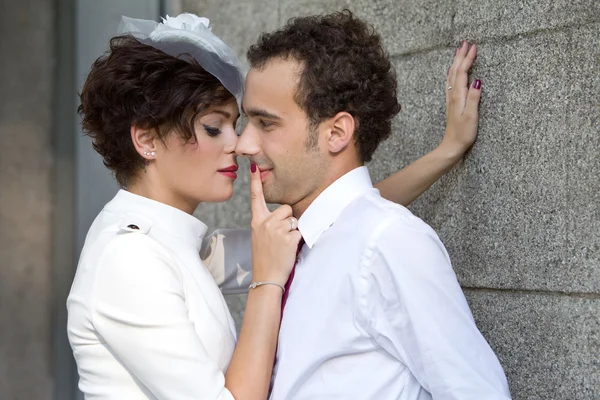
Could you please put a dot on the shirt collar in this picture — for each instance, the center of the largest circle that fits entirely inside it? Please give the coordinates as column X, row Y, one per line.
column 326, row 208
column 153, row 213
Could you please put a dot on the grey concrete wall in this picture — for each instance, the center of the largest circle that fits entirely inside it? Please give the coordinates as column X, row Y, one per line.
column 45, row 173
column 521, row 215
column 26, row 73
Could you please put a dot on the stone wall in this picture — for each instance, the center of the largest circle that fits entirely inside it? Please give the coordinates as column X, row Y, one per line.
column 521, row 215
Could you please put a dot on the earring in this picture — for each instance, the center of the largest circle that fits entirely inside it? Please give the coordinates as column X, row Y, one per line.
column 149, row 153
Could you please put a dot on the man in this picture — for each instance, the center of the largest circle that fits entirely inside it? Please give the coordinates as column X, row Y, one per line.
column 374, row 308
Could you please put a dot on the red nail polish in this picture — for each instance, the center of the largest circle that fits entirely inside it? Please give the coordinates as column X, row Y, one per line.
column 252, row 167
column 477, row 84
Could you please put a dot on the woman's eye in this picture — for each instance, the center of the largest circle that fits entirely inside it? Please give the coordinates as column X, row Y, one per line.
column 212, row 131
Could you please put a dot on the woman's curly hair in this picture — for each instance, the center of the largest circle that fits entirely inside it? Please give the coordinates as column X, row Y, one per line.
column 136, row 84
column 345, row 68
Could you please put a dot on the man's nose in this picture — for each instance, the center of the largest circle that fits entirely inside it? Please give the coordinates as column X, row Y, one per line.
column 248, row 144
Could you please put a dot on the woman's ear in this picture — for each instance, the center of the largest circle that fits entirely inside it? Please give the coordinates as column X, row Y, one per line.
column 341, row 131
column 144, row 141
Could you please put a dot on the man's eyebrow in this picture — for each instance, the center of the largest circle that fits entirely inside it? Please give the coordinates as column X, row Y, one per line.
column 257, row 112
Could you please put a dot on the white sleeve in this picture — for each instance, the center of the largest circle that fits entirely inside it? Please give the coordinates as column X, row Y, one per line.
column 227, row 253
column 417, row 312
column 138, row 308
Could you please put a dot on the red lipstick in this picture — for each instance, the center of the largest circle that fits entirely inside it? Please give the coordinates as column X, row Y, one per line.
column 229, row 171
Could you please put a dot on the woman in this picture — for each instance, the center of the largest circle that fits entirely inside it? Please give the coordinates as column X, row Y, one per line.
column 146, row 318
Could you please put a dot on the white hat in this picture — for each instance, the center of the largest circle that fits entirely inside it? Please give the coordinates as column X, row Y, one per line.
column 190, row 34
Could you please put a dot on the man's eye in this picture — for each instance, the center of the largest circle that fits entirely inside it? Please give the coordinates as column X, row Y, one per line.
column 265, row 124
column 212, row 131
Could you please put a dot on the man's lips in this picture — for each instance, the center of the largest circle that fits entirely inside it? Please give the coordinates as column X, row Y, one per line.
column 264, row 172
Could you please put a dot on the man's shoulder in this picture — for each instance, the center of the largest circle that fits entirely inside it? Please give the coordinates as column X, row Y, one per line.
column 402, row 238
column 377, row 214
column 402, row 242
column 387, row 227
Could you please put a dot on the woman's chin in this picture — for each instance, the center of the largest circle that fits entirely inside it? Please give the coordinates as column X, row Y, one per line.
column 217, row 196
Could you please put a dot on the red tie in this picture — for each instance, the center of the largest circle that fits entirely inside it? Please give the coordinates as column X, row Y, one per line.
column 291, row 278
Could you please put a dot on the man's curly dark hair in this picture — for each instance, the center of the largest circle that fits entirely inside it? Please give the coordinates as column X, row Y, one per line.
column 345, row 68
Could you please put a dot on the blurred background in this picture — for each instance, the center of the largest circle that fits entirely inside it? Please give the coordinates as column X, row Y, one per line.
column 520, row 216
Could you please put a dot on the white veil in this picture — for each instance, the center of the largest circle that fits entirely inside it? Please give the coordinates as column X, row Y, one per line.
column 190, row 34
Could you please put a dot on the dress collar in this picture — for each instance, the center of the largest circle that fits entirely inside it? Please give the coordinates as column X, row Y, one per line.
column 148, row 214
column 326, row 208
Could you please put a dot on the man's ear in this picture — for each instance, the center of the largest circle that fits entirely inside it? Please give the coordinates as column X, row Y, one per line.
column 340, row 132
column 144, row 141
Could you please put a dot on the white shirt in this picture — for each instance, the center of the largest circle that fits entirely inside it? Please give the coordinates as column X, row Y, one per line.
column 375, row 310
column 146, row 318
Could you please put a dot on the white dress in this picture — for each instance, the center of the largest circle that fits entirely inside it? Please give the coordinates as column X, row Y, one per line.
column 146, row 318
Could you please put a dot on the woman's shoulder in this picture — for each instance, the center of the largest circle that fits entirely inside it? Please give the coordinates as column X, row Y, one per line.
column 123, row 233
column 131, row 258
column 134, row 244
column 124, row 243
column 115, row 241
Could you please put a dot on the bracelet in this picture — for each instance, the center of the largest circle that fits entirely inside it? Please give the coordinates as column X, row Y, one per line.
column 254, row 285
